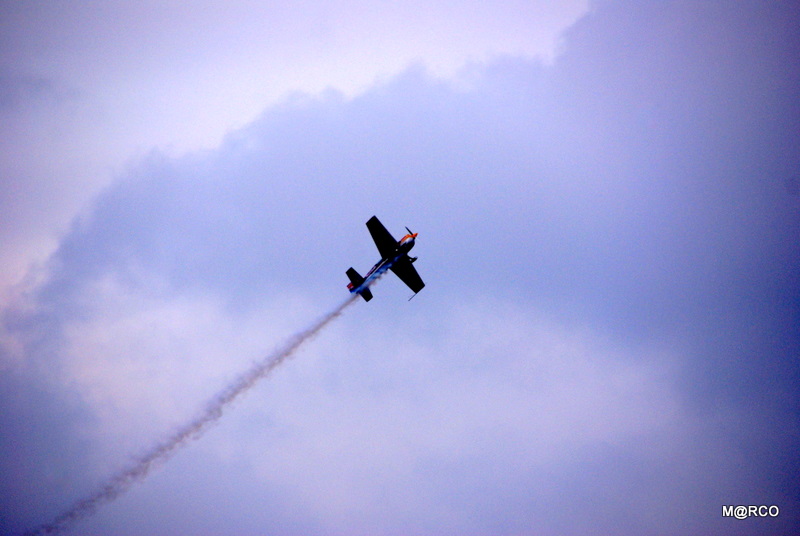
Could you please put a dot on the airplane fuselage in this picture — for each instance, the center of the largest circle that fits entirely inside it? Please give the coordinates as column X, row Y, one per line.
column 380, row 268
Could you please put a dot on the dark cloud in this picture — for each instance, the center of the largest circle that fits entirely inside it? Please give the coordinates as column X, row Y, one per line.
column 26, row 91
column 636, row 188
column 42, row 444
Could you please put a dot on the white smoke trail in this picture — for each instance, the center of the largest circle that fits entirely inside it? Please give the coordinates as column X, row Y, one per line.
column 121, row 482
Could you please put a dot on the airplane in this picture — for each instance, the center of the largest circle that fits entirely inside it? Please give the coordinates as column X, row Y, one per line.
column 394, row 257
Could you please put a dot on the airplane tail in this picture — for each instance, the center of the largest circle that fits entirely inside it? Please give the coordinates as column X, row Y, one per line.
column 355, row 281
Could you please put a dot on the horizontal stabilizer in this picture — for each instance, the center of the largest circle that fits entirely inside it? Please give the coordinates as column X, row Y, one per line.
column 355, row 278
column 356, row 281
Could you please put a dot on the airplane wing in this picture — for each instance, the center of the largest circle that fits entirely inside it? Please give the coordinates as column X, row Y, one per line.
column 383, row 238
column 407, row 273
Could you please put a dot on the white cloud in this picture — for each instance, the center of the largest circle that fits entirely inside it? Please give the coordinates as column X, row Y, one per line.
column 145, row 362
column 364, row 429
column 376, row 418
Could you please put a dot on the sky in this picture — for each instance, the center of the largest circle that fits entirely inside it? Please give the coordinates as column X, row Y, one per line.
column 607, row 197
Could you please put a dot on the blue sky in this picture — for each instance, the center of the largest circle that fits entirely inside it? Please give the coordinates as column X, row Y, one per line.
column 607, row 205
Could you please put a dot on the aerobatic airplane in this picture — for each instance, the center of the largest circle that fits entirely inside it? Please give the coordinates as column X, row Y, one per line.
column 394, row 257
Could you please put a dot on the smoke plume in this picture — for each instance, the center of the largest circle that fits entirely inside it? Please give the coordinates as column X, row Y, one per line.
column 122, row 481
